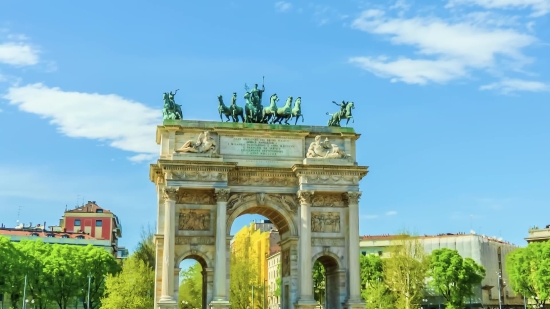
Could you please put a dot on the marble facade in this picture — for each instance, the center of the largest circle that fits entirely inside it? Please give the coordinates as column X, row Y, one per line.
column 210, row 173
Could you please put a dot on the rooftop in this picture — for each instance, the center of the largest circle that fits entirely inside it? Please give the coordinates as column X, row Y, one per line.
column 41, row 233
column 90, row 207
column 442, row 235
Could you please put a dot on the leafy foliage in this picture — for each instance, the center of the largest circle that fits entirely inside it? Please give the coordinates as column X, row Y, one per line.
column 278, row 282
column 132, row 288
column 454, row 277
column 405, row 271
column 375, row 290
column 529, row 271
column 372, row 269
column 244, row 274
column 56, row 274
column 190, row 290
column 319, row 281
column 145, row 250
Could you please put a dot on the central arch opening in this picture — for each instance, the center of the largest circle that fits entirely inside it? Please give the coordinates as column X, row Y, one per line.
column 258, row 270
column 192, row 281
column 326, row 282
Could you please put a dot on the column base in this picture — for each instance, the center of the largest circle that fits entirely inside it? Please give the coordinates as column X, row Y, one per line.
column 219, row 304
column 167, row 304
column 306, row 304
column 355, row 304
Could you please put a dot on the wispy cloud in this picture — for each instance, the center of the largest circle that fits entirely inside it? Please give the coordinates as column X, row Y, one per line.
column 283, row 6
column 513, row 85
column 14, row 51
column 481, row 42
column 539, row 7
column 126, row 124
column 391, row 213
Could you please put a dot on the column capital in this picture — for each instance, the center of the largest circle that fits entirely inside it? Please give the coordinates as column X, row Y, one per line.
column 222, row 195
column 352, row 197
column 169, row 193
column 305, row 196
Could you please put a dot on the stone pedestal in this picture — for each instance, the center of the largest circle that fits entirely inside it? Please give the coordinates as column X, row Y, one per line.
column 355, row 305
column 167, row 304
column 306, row 304
column 219, row 304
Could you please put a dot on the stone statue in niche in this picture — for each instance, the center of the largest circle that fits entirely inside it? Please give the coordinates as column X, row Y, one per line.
column 194, row 220
column 325, row 222
column 324, row 150
column 203, row 144
column 285, row 260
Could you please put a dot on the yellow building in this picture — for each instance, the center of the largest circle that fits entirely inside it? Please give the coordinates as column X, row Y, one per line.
column 262, row 238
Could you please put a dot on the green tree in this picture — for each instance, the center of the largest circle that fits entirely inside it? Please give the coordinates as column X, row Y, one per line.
column 244, row 274
column 319, row 281
column 97, row 263
column 405, row 271
column 131, row 288
column 11, row 280
column 145, row 250
column 454, row 277
column 190, row 290
column 33, row 255
column 278, row 282
column 529, row 271
column 375, row 292
column 62, row 271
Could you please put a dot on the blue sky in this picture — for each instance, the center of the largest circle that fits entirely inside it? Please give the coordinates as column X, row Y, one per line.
column 452, row 101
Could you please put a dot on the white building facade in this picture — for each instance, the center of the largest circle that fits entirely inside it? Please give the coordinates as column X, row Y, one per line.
column 273, row 273
column 487, row 251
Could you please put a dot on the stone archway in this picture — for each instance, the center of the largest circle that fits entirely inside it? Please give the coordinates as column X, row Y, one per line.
column 207, row 274
column 263, row 169
column 335, row 279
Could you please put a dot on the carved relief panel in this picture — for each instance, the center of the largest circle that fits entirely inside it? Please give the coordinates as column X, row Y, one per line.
column 327, row 200
column 195, row 197
column 327, row 222
column 194, row 220
column 272, row 179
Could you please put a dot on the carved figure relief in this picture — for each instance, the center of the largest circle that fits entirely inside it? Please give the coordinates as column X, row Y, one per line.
column 199, row 175
column 328, row 222
column 327, row 200
column 287, row 201
column 325, row 150
column 204, row 143
column 194, row 220
column 195, row 197
column 285, row 257
column 195, row 240
column 263, row 179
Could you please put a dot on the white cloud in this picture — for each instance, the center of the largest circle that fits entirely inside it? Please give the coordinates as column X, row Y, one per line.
column 142, row 157
column 448, row 50
column 391, row 213
column 539, row 7
column 513, row 85
column 125, row 124
column 283, row 6
column 18, row 54
column 369, row 217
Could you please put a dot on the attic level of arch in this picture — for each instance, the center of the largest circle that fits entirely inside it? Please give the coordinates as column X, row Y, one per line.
column 174, row 172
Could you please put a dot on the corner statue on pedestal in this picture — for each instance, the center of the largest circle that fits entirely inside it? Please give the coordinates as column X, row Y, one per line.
column 171, row 110
column 322, row 150
column 343, row 113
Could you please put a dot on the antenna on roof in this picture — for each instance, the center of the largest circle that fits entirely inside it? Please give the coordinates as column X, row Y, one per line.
column 77, row 200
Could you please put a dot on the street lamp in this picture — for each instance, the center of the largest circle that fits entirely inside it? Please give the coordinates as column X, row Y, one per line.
column 89, row 283
column 499, row 293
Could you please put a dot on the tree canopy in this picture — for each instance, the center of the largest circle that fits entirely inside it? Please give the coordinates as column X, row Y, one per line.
column 529, row 271
column 190, row 290
column 454, row 277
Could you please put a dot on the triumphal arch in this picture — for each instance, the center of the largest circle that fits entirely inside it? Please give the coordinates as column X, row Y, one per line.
column 305, row 179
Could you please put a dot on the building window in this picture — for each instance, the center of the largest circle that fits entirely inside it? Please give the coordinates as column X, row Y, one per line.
column 364, row 253
column 380, row 253
column 77, row 222
column 99, row 223
column 51, row 235
column 80, row 237
column 99, row 211
column 34, row 234
column 65, row 236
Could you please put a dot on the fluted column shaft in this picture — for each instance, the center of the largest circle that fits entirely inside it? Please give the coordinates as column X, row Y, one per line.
column 220, row 270
column 169, row 195
column 306, row 276
column 353, row 237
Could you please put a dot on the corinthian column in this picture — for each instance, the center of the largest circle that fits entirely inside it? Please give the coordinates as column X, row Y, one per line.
column 169, row 195
column 220, row 270
column 353, row 237
column 306, row 277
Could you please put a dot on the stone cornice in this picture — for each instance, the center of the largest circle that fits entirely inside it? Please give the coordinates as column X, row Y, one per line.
column 301, row 169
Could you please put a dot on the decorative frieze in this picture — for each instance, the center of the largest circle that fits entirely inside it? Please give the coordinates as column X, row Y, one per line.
column 198, row 176
column 286, row 201
column 194, row 220
column 241, row 178
column 327, row 222
column 186, row 240
column 197, row 197
column 327, row 200
column 320, row 179
column 330, row 242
